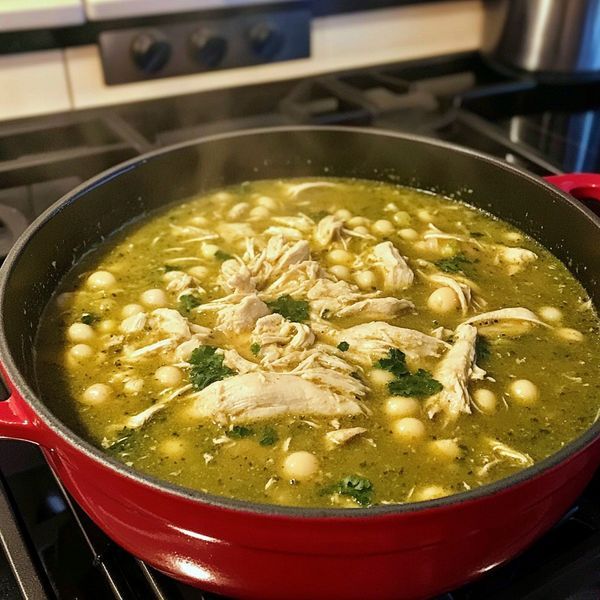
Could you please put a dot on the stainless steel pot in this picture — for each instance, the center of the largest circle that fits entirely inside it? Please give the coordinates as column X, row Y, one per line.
column 552, row 38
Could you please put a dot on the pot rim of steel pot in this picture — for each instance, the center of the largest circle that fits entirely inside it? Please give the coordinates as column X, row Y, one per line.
column 574, row 447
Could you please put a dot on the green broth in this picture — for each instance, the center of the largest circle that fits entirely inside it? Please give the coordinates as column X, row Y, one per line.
column 244, row 459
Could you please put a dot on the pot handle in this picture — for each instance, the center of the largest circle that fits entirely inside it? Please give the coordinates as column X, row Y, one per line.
column 14, row 422
column 583, row 186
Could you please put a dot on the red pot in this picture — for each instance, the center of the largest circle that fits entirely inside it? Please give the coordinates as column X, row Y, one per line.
column 265, row 552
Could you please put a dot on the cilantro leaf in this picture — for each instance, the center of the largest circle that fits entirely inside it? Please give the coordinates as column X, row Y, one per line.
column 343, row 346
column 455, row 264
column 188, row 302
column 287, row 307
column 255, row 348
column 269, row 437
column 395, row 363
column 88, row 318
column 207, row 367
column 419, row 385
column 360, row 489
column 239, row 431
column 482, row 349
column 222, row 256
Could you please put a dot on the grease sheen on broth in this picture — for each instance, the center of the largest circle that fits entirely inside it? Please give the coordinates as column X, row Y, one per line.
column 114, row 365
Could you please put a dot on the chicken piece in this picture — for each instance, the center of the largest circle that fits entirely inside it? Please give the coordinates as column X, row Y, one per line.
column 331, row 296
column 289, row 233
column 371, row 341
column 170, row 322
column 397, row 275
column 328, row 229
column 433, row 233
column 241, row 317
column 232, row 232
column 184, row 350
column 179, row 283
column 235, row 277
column 233, row 360
column 516, row 259
column 134, row 323
column 237, row 211
column 276, row 336
column 293, row 189
column 256, row 396
column 300, row 222
column 338, row 437
column 297, row 280
column 504, row 453
column 454, row 372
column 462, row 290
column 376, row 308
column 508, row 321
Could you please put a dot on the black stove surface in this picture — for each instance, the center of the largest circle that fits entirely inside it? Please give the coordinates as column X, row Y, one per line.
column 54, row 549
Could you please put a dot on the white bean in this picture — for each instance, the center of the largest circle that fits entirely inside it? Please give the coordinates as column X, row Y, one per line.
column 133, row 386
column 80, row 332
column 361, row 229
column 81, row 352
column 409, row 429
column 97, row 393
column 569, row 334
column 365, row 280
column 200, row 221
column 383, row 227
column 424, row 215
column 173, row 448
column 340, row 257
column 447, row 449
column 341, row 272
column 408, row 234
column 524, row 391
column 168, row 375
column 550, row 313
column 101, row 280
column 430, row 492
column 343, row 214
column 402, row 218
column 443, row 300
column 154, row 298
column 107, row 326
column 300, row 465
column 485, row 400
column 380, row 377
column 131, row 309
column 171, row 275
column 398, row 406
column 357, row 222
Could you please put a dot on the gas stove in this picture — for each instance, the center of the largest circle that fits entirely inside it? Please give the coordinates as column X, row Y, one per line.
column 51, row 548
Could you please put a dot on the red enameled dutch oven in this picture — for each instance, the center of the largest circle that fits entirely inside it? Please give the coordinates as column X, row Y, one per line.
column 266, row 552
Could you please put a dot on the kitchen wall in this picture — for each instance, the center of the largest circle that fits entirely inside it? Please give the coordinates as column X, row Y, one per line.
column 35, row 83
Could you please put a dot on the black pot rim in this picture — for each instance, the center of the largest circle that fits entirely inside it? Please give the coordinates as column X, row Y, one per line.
column 576, row 446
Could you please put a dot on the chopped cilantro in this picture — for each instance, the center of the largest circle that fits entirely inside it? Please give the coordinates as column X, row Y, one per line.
column 269, row 437
column 168, row 268
column 456, row 264
column 188, row 302
column 222, row 256
column 239, row 431
column 482, row 349
column 122, row 442
column 207, row 367
column 395, row 363
column 255, row 348
column 343, row 346
column 287, row 307
column 89, row 318
column 419, row 385
column 360, row 489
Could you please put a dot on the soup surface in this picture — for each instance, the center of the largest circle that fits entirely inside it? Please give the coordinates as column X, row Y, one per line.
column 322, row 343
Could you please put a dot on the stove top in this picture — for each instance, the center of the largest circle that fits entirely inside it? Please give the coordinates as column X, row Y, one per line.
column 54, row 549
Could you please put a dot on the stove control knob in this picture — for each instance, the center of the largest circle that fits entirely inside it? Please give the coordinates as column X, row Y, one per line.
column 208, row 48
column 150, row 51
column 266, row 40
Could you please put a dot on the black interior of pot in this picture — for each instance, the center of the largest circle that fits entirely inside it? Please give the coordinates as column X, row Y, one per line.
column 91, row 213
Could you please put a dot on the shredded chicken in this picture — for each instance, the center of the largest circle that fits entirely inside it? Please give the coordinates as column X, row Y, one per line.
column 241, row 317
column 235, row 277
column 327, row 230
column 170, row 322
column 509, row 321
column 134, row 323
column 338, row 437
column 376, row 308
column 233, row 360
column 397, row 275
column 516, row 259
column 276, row 336
column 503, row 453
column 454, row 372
column 255, row 396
